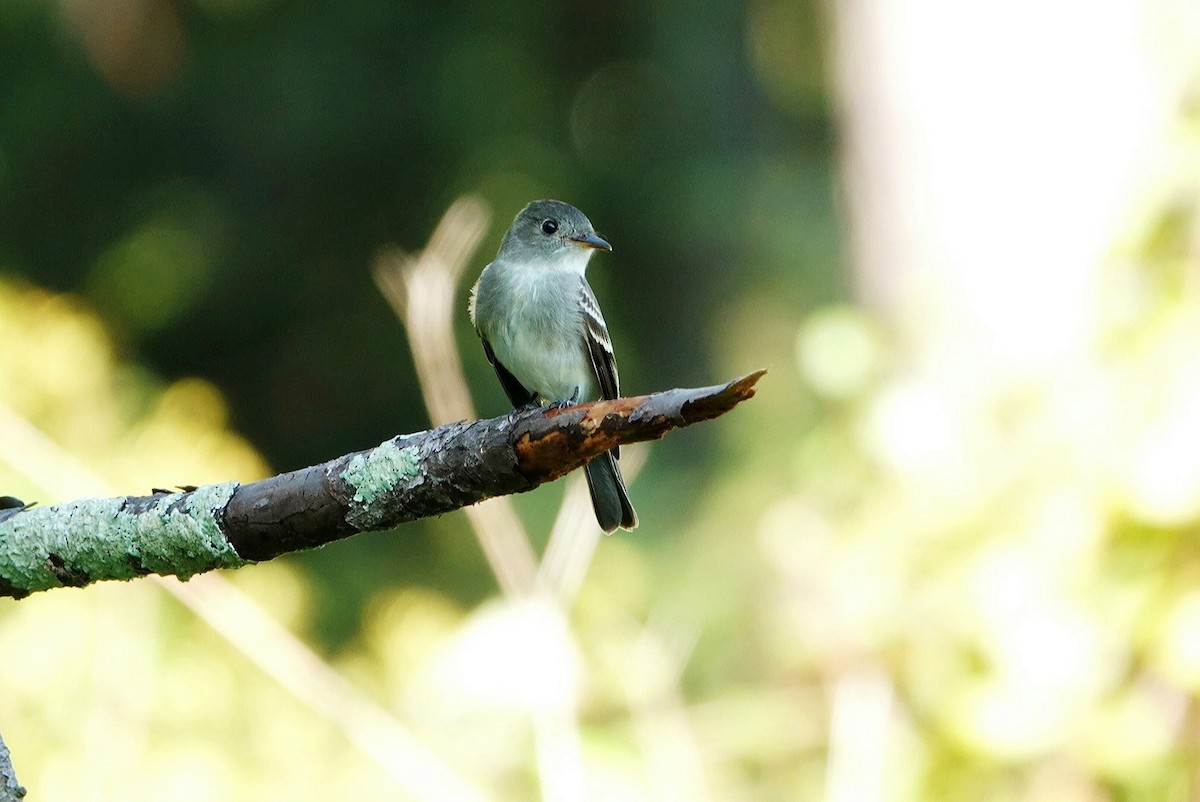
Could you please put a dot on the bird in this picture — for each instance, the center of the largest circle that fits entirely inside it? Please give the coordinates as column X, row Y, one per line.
column 544, row 334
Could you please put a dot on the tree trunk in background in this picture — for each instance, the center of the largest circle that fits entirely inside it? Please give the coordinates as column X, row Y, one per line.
column 988, row 152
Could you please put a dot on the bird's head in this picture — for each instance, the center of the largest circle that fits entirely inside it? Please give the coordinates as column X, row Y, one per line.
column 552, row 232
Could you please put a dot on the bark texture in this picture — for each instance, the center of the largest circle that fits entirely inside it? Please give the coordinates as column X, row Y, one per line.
column 10, row 789
column 408, row 477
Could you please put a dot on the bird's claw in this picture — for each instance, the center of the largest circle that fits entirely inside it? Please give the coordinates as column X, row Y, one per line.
column 566, row 402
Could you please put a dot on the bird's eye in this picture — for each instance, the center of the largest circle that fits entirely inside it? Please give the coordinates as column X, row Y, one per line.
column 549, row 227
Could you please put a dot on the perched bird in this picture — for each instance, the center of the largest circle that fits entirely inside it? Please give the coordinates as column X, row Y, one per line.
column 543, row 332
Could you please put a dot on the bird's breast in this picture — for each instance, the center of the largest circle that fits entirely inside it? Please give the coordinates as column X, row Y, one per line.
column 537, row 333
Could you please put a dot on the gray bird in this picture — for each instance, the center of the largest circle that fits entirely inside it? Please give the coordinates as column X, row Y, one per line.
column 542, row 330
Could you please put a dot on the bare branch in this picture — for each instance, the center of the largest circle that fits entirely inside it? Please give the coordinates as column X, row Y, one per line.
column 10, row 789
column 403, row 479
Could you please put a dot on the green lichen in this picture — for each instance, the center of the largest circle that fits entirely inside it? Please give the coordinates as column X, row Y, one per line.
column 376, row 473
column 96, row 539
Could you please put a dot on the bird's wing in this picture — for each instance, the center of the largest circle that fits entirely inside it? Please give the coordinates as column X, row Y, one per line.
column 599, row 346
column 515, row 391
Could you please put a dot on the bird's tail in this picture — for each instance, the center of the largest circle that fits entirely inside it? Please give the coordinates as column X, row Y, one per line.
column 610, row 499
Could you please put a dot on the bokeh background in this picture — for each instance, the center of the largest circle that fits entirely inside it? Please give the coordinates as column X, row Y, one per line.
column 947, row 553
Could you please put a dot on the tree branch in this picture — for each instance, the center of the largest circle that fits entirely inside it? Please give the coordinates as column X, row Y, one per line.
column 10, row 789
column 408, row 477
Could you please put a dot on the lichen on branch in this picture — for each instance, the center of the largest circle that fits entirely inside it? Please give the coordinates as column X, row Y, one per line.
column 402, row 479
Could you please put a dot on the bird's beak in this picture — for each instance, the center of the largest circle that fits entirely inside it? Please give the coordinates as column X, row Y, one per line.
column 591, row 241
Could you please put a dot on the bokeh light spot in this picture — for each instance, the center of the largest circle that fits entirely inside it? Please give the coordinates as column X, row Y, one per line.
column 838, row 351
column 913, row 425
column 515, row 656
column 154, row 274
column 138, row 46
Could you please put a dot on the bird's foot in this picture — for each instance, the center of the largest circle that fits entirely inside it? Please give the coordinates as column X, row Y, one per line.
column 566, row 402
